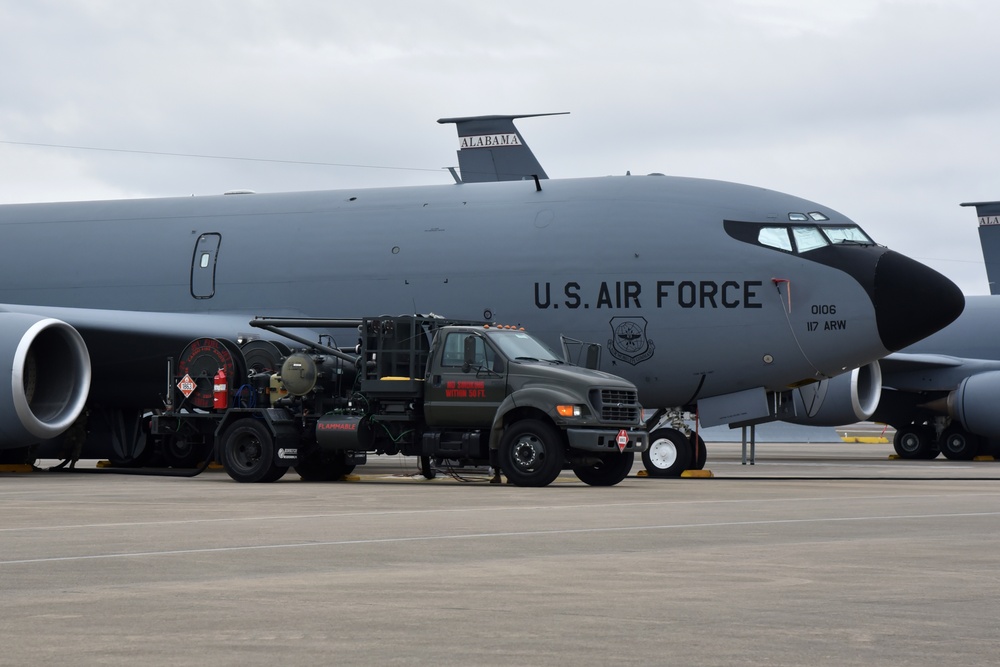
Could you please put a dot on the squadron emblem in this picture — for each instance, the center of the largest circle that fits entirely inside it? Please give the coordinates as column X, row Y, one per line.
column 628, row 340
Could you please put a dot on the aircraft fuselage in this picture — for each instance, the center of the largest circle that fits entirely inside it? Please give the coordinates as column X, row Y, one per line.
column 655, row 268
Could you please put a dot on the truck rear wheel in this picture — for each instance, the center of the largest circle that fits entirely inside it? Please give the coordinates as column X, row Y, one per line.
column 248, row 452
column 531, row 453
column 611, row 469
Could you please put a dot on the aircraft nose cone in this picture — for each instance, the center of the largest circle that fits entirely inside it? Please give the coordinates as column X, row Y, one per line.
column 912, row 301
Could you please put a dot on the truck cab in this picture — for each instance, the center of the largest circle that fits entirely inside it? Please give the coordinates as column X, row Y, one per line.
column 498, row 394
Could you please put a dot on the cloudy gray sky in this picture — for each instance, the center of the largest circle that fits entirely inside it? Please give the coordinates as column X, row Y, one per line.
column 885, row 110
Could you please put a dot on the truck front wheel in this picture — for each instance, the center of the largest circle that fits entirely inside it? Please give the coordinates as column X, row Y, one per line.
column 611, row 469
column 248, row 452
column 531, row 453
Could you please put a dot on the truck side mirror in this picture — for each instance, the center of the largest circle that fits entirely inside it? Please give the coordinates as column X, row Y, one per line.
column 469, row 353
column 578, row 352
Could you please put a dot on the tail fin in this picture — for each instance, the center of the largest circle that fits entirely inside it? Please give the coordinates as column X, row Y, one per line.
column 491, row 149
column 989, row 239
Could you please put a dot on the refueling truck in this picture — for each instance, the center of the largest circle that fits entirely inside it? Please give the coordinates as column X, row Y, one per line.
column 453, row 393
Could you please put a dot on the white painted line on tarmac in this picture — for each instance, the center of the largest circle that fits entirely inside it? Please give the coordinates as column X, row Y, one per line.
column 498, row 508
column 488, row 536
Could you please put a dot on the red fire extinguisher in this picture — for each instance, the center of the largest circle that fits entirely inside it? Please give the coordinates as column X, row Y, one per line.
column 220, row 392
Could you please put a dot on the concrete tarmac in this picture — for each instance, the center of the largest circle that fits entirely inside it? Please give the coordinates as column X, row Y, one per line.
column 821, row 554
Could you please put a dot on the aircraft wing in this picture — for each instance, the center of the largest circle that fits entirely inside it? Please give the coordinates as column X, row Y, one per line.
column 141, row 323
column 94, row 322
column 900, row 362
column 930, row 372
column 126, row 345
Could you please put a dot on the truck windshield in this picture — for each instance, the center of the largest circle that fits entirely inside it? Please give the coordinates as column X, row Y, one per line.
column 519, row 345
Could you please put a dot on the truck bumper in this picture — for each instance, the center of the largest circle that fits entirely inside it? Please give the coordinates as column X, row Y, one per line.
column 606, row 440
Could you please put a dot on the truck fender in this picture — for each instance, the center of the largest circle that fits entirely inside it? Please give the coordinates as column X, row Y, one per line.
column 537, row 399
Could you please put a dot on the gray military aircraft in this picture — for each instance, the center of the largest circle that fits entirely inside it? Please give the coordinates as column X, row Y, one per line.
column 708, row 295
column 988, row 213
column 941, row 393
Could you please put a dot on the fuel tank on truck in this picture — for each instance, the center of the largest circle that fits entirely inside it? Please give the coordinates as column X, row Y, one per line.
column 338, row 432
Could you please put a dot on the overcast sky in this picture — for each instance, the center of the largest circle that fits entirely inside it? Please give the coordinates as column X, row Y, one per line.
column 885, row 110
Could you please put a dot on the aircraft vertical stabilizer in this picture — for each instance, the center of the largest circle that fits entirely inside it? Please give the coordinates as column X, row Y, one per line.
column 491, row 149
column 989, row 239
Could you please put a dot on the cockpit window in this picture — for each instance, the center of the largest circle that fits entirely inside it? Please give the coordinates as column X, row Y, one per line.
column 799, row 236
column 847, row 235
column 808, row 238
column 775, row 237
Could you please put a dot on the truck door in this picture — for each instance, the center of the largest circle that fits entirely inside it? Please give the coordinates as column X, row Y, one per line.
column 460, row 395
column 206, row 250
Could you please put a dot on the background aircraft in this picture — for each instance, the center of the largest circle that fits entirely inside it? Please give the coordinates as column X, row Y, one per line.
column 941, row 393
column 989, row 239
column 708, row 295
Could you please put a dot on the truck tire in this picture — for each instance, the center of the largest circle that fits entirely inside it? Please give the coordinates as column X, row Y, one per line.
column 669, row 453
column 531, row 453
column 248, row 452
column 612, row 469
column 324, row 467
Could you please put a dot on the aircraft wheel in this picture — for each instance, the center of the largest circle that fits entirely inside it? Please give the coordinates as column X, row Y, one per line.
column 531, row 453
column 324, row 467
column 914, row 443
column 669, row 453
column 958, row 444
column 611, row 469
column 248, row 452
column 702, row 458
column 148, row 455
column 183, row 452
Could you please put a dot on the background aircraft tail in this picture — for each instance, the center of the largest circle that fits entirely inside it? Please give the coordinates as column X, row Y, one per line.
column 491, row 149
column 989, row 239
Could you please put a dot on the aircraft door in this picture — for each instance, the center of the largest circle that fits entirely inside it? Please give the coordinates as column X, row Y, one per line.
column 206, row 250
column 458, row 394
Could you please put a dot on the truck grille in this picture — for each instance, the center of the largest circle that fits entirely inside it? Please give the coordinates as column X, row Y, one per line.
column 616, row 405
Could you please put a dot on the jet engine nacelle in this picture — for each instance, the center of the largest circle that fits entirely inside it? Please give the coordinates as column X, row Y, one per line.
column 845, row 399
column 49, row 378
column 974, row 404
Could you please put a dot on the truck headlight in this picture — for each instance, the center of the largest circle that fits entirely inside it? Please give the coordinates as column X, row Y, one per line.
column 568, row 410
